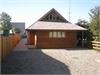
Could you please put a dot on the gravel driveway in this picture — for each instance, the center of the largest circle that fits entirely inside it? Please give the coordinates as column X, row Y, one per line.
column 80, row 62
column 51, row 61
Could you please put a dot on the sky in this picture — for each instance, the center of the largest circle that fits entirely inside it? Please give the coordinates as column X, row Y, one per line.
column 29, row 11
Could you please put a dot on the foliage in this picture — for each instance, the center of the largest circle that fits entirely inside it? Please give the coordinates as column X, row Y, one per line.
column 83, row 23
column 87, row 34
column 0, row 29
column 95, row 21
column 5, row 24
column 16, row 30
column 24, row 35
column 84, row 35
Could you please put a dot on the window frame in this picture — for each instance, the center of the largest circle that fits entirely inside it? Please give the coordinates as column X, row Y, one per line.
column 57, row 34
column 54, row 34
column 63, row 34
column 50, row 34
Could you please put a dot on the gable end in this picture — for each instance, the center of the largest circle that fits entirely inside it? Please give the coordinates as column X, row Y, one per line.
column 53, row 16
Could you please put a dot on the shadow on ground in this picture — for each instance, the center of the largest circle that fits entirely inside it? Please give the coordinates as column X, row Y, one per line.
column 32, row 62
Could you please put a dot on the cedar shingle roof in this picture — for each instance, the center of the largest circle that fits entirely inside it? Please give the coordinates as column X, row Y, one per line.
column 43, row 25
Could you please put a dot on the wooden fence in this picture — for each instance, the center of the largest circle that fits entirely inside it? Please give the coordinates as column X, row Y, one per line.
column 96, row 45
column 7, row 44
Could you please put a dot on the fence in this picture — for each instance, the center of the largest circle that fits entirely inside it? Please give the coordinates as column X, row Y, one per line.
column 96, row 45
column 7, row 44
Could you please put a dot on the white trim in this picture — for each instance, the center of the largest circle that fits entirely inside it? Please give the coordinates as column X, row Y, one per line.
column 35, row 40
column 55, row 34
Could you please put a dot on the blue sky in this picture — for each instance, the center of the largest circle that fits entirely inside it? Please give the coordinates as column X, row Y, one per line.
column 29, row 11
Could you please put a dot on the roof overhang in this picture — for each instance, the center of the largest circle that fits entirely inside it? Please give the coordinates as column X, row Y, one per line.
column 43, row 25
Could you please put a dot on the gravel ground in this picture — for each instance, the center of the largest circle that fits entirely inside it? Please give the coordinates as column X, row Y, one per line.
column 51, row 61
column 80, row 62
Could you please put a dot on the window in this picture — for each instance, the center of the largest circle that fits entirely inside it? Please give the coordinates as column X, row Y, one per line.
column 50, row 17
column 56, row 34
column 59, row 34
column 54, row 17
column 50, row 34
column 63, row 34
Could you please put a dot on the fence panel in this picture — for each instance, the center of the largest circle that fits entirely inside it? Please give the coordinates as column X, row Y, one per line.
column 96, row 45
column 7, row 44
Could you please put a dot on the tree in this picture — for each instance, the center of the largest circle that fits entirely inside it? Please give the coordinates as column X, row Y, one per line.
column 95, row 21
column 86, row 35
column 17, row 30
column 83, row 23
column 5, row 24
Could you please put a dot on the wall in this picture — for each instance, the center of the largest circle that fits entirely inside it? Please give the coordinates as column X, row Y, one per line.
column 43, row 40
column 30, row 37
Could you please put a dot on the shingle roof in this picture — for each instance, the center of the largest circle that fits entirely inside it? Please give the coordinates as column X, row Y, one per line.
column 43, row 25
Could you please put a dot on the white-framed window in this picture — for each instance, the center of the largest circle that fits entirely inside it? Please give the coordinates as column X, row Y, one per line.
column 56, row 34
column 50, row 17
column 63, row 35
column 59, row 35
column 50, row 34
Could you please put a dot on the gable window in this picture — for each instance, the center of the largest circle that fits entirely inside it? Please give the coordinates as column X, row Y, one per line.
column 56, row 34
column 50, row 17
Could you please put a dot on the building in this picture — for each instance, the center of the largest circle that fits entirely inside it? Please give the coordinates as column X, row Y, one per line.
column 53, row 31
column 19, row 25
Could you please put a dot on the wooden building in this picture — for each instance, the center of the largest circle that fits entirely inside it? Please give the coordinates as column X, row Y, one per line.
column 53, row 31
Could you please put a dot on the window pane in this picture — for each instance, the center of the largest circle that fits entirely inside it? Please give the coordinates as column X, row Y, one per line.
column 59, row 34
column 54, row 34
column 53, row 17
column 50, row 17
column 50, row 34
column 63, row 34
